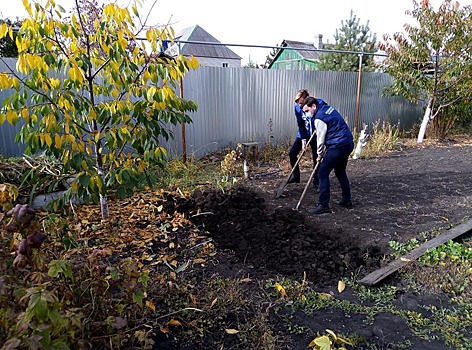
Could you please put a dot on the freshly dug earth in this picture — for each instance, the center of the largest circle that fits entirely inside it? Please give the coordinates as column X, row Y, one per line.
column 396, row 197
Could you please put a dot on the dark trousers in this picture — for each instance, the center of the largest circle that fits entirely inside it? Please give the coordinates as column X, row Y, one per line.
column 295, row 151
column 335, row 158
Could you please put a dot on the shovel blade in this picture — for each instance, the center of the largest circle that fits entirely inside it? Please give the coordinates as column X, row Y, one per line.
column 281, row 189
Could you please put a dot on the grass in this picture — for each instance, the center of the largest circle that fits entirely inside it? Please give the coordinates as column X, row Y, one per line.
column 384, row 137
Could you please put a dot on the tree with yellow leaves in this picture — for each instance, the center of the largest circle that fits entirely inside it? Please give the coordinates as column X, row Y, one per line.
column 93, row 95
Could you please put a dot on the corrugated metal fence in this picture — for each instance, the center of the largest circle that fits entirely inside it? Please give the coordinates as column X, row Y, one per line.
column 244, row 105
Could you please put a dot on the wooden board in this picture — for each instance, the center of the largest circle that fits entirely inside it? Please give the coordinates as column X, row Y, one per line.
column 393, row 266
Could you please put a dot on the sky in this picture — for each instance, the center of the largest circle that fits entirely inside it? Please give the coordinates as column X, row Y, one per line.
column 262, row 22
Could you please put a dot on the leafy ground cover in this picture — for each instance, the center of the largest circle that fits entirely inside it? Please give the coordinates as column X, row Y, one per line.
column 231, row 267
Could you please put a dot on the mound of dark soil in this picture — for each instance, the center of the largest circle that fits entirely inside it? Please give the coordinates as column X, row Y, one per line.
column 279, row 241
column 395, row 197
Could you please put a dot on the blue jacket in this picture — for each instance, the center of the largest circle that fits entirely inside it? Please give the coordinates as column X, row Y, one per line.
column 338, row 133
column 305, row 125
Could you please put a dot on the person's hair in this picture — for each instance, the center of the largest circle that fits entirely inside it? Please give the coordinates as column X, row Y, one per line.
column 302, row 93
column 310, row 101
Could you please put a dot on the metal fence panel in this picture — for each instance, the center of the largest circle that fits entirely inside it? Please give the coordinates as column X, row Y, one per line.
column 256, row 105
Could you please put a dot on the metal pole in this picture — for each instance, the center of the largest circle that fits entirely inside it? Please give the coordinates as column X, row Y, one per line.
column 358, row 100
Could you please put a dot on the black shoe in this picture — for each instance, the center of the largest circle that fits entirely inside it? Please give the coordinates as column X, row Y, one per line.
column 294, row 179
column 320, row 209
column 345, row 204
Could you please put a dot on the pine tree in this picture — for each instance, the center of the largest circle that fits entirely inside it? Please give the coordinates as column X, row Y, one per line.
column 352, row 36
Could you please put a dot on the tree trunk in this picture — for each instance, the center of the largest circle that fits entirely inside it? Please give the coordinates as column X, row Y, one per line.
column 103, row 199
column 361, row 143
column 425, row 121
column 104, row 207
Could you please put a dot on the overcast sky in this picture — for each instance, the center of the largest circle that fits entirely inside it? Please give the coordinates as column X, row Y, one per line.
column 261, row 22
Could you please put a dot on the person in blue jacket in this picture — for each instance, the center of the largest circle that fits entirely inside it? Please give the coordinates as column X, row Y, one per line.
column 334, row 134
column 305, row 129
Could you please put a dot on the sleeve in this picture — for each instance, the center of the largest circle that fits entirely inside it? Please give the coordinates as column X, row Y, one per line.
column 321, row 129
column 301, row 123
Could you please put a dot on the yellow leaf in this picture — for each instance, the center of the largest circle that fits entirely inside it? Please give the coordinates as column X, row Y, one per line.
column 193, row 63
column 75, row 74
column 245, row 280
column 58, row 141
column 108, row 10
column 31, row 61
column 213, row 302
column 4, row 81
column 48, row 139
column 405, row 259
column 174, row 323
column 231, row 331
column 21, row 64
column 150, row 35
column 3, row 30
column 323, row 343
column 325, row 295
column 92, row 114
column 281, row 289
column 329, row 331
column 150, row 93
column 24, row 113
column 341, row 286
column 12, row 117
column 125, row 131
column 150, row 305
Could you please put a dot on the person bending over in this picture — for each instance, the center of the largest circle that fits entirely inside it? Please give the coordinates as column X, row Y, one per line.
column 306, row 128
column 334, row 134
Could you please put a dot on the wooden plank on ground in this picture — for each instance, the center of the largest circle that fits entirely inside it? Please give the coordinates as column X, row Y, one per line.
column 393, row 266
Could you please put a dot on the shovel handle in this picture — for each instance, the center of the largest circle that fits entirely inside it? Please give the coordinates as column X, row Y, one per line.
column 307, row 185
column 283, row 184
column 309, row 181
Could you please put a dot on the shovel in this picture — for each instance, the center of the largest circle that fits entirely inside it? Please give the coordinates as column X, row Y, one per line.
column 308, row 184
column 282, row 186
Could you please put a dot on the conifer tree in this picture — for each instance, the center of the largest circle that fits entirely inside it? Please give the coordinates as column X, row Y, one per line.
column 352, row 36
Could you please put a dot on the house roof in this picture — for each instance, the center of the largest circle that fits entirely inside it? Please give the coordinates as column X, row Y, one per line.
column 303, row 49
column 197, row 33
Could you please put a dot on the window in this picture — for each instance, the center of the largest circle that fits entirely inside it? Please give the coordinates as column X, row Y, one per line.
column 225, row 64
